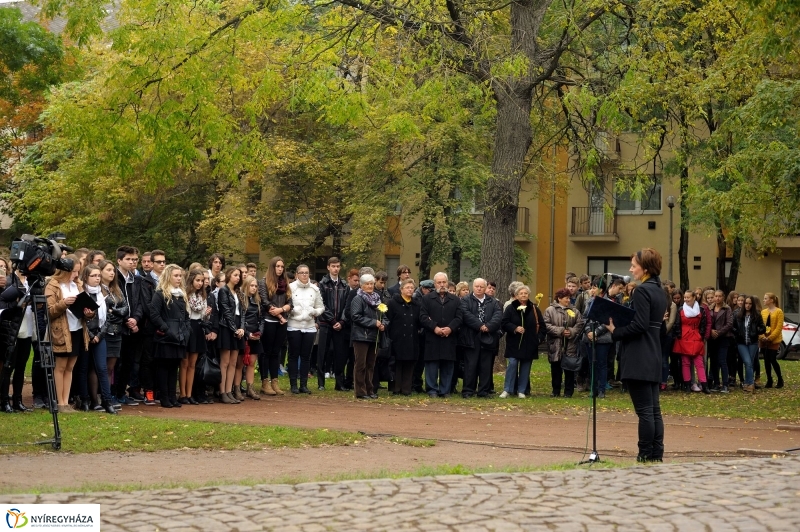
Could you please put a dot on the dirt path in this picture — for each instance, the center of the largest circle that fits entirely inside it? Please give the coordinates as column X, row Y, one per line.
column 463, row 436
column 616, row 432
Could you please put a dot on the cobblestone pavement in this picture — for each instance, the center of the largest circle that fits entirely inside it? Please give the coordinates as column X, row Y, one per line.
column 754, row 494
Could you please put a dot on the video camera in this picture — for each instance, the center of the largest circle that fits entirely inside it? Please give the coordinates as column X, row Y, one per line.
column 34, row 255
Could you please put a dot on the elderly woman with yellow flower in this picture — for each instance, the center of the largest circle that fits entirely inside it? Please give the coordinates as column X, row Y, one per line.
column 564, row 327
column 525, row 328
column 368, row 321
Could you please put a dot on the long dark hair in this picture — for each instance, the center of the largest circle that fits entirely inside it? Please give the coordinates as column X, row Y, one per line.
column 756, row 306
column 190, row 284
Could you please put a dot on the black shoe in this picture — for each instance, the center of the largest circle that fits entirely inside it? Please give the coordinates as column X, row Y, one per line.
column 768, row 384
column 704, row 388
column 84, row 406
column 445, row 396
column 106, row 406
column 321, row 388
column 184, row 400
column 555, row 394
column 19, row 406
column 373, row 396
column 433, row 395
column 38, row 402
column 5, row 407
column 466, row 395
column 193, row 401
column 295, row 389
column 568, row 396
column 166, row 403
column 780, row 383
column 176, row 402
column 304, row 389
column 363, row 397
column 135, row 395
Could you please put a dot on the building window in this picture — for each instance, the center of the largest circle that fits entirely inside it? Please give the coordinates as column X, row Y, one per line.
column 791, row 290
column 649, row 199
column 600, row 265
column 392, row 262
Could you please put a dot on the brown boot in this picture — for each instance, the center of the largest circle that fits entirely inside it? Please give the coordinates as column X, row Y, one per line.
column 225, row 399
column 749, row 388
column 266, row 387
column 237, row 394
column 275, row 387
column 251, row 393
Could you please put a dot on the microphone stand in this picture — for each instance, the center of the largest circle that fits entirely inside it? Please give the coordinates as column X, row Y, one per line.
column 594, row 457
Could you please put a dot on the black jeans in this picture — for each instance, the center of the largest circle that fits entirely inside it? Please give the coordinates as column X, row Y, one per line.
column 129, row 359
column 300, row 345
column 555, row 379
column 404, row 371
column 718, row 356
column 333, row 352
column 770, row 363
column 22, row 351
column 477, row 369
column 644, row 395
column 145, row 372
column 271, row 341
column 167, row 372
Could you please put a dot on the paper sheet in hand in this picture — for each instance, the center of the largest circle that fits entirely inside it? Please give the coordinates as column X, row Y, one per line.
column 603, row 309
column 82, row 301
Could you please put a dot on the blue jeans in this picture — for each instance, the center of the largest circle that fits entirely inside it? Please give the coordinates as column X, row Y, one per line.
column 518, row 374
column 600, row 366
column 748, row 353
column 439, row 376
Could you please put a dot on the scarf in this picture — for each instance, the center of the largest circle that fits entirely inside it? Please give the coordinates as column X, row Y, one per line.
column 691, row 312
column 177, row 292
column 197, row 303
column 280, row 287
column 372, row 299
column 97, row 294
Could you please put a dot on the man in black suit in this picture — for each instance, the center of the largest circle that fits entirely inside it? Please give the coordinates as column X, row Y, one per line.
column 440, row 315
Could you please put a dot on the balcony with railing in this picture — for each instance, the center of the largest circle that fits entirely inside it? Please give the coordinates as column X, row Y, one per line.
column 523, row 223
column 593, row 224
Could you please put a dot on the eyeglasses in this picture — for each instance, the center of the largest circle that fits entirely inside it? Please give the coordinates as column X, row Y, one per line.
column 159, row 261
column 302, row 273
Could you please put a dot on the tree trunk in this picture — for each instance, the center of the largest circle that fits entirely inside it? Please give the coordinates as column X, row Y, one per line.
column 454, row 268
column 683, row 248
column 426, row 238
column 736, row 261
column 722, row 253
column 512, row 140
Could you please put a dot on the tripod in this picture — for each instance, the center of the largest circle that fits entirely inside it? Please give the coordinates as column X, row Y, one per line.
column 41, row 317
column 594, row 457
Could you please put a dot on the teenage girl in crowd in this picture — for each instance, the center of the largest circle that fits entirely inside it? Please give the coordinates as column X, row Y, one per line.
column 771, row 340
column 301, row 329
column 276, row 303
column 691, row 325
column 198, row 310
column 253, row 328
column 748, row 326
column 116, row 315
column 97, row 326
column 231, row 332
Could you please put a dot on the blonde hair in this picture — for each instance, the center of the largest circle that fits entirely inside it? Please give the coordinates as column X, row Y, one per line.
column 245, row 285
column 773, row 297
column 461, row 286
column 165, row 287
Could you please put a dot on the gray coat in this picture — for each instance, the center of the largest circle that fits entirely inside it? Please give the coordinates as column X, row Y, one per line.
column 556, row 320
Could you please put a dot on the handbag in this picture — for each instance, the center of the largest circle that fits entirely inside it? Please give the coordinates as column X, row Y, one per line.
column 209, row 370
column 571, row 363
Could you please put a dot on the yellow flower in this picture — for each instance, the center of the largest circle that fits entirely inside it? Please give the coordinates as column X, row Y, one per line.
column 570, row 313
column 382, row 307
column 539, row 297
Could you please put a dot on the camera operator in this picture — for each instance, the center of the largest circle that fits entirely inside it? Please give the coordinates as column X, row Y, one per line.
column 640, row 358
column 16, row 286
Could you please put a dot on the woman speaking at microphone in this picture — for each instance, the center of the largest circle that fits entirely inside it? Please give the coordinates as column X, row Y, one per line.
column 640, row 358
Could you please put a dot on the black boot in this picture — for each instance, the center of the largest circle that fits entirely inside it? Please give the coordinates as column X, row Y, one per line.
column 108, row 408
column 769, row 382
column 19, row 406
column 5, row 405
column 704, row 388
column 293, row 385
column 780, row 382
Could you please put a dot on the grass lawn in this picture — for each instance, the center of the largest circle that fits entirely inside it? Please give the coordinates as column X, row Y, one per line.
column 93, row 432
column 772, row 404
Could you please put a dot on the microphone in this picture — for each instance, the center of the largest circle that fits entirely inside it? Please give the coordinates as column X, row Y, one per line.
column 611, row 276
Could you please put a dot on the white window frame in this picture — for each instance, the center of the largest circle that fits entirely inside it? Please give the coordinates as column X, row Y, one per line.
column 638, row 210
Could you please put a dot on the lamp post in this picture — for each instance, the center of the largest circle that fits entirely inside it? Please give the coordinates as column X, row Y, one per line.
column 671, row 205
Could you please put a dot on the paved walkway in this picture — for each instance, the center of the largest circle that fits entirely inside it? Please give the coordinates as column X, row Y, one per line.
column 754, row 494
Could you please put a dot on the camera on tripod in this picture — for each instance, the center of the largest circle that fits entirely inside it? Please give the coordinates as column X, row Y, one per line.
column 34, row 255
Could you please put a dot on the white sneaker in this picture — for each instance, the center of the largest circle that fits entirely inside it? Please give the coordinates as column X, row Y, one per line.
column 521, row 395
column 695, row 388
column 504, row 395
column 327, row 375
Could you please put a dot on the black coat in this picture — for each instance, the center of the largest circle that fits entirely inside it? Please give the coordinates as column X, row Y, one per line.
column 171, row 321
column 436, row 312
column 525, row 346
column 640, row 348
column 364, row 321
column 404, row 322
column 470, row 334
column 252, row 317
column 138, row 296
column 213, row 318
column 116, row 314
column 756, row 327
column 227, row 310
column 335, row 297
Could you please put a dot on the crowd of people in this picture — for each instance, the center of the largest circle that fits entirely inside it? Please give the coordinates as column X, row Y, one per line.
column 152, row 324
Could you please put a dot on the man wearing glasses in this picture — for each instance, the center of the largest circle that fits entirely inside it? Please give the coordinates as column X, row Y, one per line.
column 403, row 273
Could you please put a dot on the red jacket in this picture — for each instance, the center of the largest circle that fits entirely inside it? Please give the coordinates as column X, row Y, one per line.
column 691, row 341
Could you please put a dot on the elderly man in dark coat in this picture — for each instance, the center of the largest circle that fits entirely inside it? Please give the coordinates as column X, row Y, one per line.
column 440, row 315
column 482, row 319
